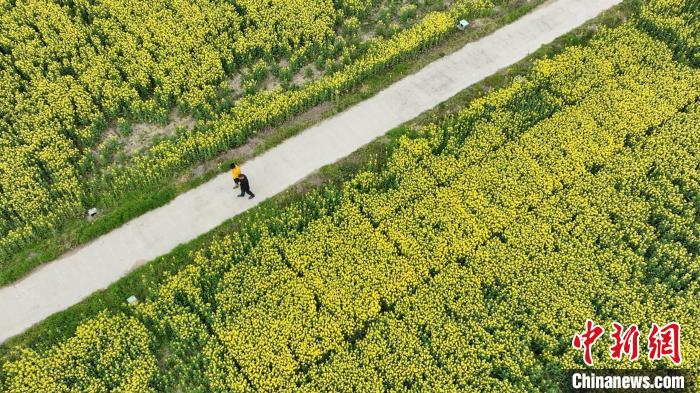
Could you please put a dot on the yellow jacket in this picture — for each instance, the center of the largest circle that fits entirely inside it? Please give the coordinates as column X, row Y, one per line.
column 236, row 171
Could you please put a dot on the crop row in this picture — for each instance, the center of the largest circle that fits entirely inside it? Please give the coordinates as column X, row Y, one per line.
column 114, row 64
column 570, row 194
column 503, row 318
column 676, row 22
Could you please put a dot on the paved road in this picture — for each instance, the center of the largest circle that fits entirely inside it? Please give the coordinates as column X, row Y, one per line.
column 71, row 278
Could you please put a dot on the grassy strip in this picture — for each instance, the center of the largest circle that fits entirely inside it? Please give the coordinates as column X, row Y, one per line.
column 78, row 232
column 62, row 325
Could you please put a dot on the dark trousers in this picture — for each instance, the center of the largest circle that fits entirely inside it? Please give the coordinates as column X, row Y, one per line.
column 246, row 191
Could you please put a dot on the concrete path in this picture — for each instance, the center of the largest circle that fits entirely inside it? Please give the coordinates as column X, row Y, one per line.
column 71, row 278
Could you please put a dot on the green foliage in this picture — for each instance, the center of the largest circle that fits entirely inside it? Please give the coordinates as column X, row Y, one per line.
column 468, row 260
column 69, row 68
column 677, row 23
column 408, row 11
column 106, row 354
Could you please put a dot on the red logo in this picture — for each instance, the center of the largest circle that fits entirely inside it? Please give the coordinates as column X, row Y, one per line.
column 625, row 342
column 665, row 342
column 586, row 340
column 662, row 341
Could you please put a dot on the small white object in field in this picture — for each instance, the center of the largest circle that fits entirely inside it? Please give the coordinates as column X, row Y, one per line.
column 92, row 212
column 463, row 24
column 132, row 300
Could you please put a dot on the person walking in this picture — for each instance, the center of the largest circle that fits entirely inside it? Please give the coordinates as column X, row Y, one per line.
column 235, row 171
column 245, row 186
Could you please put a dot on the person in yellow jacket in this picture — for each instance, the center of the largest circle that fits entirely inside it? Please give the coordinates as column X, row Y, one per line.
column 235, row 172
